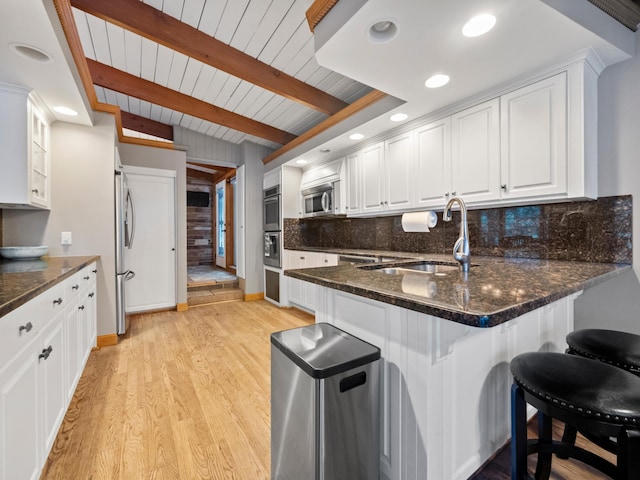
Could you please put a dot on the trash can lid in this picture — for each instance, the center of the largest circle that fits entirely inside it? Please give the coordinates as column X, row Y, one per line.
column 322, row 350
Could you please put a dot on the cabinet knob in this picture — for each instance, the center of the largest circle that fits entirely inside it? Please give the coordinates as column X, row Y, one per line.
column 504, row 187
column 75, row 287
column 301, row 258
column 326, row 261
column 57, row 302
column 453, row 194
column 81, row 307
column 46, row 352
column 95, row 271
column 446, row 195
column 381, row 203
column 87, row 277
column 35, row 190
column 91, row 294
column 26, row 328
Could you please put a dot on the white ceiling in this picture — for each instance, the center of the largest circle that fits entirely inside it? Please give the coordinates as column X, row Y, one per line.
column 529, row 34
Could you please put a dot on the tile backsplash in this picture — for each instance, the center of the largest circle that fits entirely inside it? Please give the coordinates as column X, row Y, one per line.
column 590, row 231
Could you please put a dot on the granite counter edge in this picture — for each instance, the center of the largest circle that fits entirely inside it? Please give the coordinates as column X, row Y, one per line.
column 33, row 292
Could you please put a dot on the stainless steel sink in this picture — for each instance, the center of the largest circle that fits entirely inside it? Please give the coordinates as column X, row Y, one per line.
column 421, row 268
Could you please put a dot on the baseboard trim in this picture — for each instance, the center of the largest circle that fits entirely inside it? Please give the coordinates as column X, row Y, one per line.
column 182, row 307
column 107, row 340
column 250, row 297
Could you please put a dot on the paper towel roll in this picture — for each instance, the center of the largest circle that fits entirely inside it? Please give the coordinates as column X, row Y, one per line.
column 419, row 221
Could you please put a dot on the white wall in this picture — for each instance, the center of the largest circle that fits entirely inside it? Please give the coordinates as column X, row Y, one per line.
column 615, row 304
column 166, row 159
column 82, row 202
column 252, row 156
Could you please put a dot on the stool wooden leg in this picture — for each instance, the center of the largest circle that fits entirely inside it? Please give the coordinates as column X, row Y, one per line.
column 568, row 437
column 518, row 434
column 543, row 467
column 629, row 453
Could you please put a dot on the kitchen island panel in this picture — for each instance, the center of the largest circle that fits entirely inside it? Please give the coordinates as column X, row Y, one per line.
column 445, row 386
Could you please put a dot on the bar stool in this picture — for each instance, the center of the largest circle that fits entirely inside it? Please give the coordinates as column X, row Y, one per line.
column 620, row 349
column 584, row 393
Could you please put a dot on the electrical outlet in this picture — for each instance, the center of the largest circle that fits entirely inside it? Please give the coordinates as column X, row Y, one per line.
column 66, row 238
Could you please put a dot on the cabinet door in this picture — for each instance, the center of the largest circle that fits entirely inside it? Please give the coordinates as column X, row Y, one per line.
column 399, row 160
column 371, row 168
column 38, row 157
column 534, row 139
column 354, row 181
column 72, row 329
column 20, row 440
column 297, row 259
column 52, row 374
column 432, row 175
column 475, row 152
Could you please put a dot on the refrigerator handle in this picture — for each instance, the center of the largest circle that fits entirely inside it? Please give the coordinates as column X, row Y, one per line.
column 129, row 274
column 133, row 219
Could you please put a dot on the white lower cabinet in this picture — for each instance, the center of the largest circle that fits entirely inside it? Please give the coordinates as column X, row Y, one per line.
column 43, row 355
column 445, row 386
column 299, row 293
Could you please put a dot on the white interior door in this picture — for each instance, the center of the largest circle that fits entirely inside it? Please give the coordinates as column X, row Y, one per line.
column 221, row 249
column 152, row 255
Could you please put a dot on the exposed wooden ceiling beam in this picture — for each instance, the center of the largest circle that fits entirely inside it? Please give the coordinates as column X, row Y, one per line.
column 317, row 11
column 159, row 27
column 357, row 106
column 113, row 79
column 146, row 125
column 65, row 15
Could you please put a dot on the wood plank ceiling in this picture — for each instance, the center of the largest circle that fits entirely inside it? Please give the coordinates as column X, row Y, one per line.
column 235, row 70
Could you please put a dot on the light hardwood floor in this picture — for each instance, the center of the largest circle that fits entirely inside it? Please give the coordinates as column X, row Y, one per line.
column 185, row 395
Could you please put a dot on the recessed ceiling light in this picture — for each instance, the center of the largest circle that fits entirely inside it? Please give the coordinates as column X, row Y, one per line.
column 65, row 111
column 32, row 53
column 479, row 25
column 301, row 161
column 356, row 136
column 383, row 31
column 437, row 80
column 398, row 117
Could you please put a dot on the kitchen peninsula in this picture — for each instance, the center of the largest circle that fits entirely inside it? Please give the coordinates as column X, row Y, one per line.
column 446, row 379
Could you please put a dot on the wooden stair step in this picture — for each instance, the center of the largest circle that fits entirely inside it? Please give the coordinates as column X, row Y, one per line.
column 202, row 297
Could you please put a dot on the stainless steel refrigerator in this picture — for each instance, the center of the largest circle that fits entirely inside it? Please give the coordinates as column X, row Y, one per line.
column 125, row 233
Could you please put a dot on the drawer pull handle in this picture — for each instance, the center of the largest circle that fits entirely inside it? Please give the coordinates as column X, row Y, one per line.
column 57, row 302
column 95, row 271
column 92, row 294
column 46, row 352
column 27, row 328
column 75, row 287
column 81, row 307
column 87, row 277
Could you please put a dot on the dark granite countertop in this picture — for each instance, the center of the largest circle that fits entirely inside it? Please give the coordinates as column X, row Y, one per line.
column 23, row 280
column 495, row 289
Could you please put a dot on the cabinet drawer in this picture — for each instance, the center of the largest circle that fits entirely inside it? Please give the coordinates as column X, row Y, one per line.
column 72, row 286
column 18, row 329
column 86, row 276
column 52, row 302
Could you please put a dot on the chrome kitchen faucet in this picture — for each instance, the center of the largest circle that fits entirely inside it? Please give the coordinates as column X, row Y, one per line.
column 461, row 247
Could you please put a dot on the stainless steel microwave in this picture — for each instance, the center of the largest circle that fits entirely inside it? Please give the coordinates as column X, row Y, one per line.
column 321, row 200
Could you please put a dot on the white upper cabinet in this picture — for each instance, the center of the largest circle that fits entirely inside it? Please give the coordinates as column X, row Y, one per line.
column 399, row 160
column 24, row 140
column 432, row 174
column 534, row 139
column 534, row 143
column 475, row 163
column 353, row 183
column 372, row 170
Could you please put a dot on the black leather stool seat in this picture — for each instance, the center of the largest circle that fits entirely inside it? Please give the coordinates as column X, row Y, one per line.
column 617, row 348
column 584, row 393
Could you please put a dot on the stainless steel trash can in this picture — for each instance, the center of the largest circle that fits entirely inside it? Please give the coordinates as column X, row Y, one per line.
column 324, row 405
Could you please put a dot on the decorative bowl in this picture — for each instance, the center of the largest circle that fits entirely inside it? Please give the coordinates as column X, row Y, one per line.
column 23, row 252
